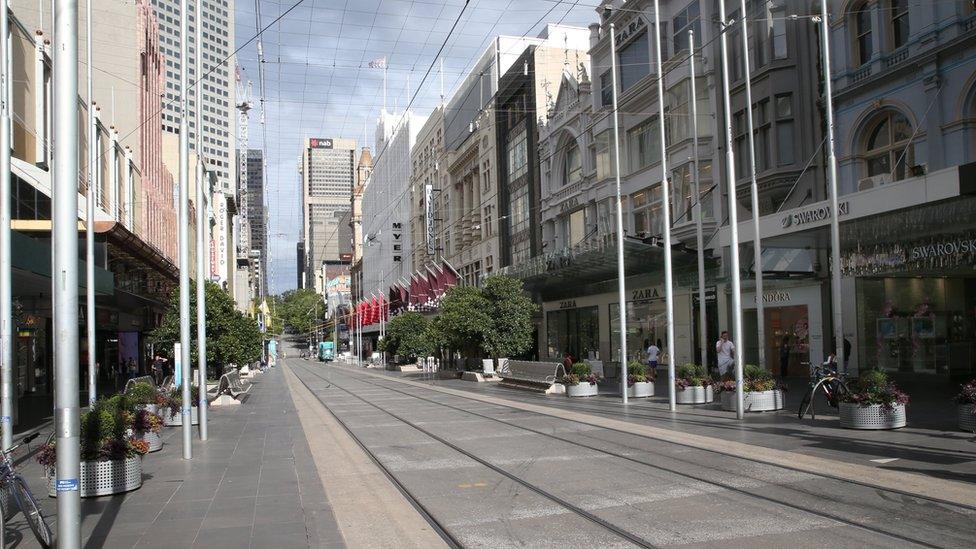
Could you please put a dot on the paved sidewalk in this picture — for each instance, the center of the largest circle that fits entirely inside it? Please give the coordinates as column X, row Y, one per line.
column 253, row 484
column 924, row 447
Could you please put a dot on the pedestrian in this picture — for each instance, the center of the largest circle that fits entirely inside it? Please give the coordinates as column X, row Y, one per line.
column 158, row 365
column 725, row 350
column 567, row 361
column 133, row 370
column 652, row 353
column 847, row 353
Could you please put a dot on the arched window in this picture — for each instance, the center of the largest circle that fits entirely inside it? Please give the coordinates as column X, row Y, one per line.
column 572, row 165
column 887, row 150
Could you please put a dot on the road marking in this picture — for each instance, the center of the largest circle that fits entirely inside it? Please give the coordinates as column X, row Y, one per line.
column 884, row 460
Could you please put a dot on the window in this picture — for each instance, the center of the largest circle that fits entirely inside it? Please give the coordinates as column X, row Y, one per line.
column 736, row 58
column 517, row 154
column 645, row 144
column 862, row 34
column 761, row 125
column 888, row 145
column 686, row 19
column 899, row 23
column 770, row 34
column 520, row 209
column 572, row 166
column 606, row 89
column 645, row 207
column 784, row 130
column 633, row 60
column 680, row 124
column 604, row 156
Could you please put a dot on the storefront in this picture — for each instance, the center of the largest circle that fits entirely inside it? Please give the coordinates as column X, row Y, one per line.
column 573, row 330
column 793, row 321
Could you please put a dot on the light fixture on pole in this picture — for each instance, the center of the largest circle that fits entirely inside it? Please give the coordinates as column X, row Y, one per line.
column 203, row 251
column 64, row 271
column 733, row 214
column 90, row 218
column 6, row 274
column 184, row 236
column 756, row 239
column 835, row 288
column 699, row 233
column 665, row 196
column 621, row 281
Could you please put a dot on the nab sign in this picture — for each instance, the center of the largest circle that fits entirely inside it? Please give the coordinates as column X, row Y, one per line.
column 320, row 143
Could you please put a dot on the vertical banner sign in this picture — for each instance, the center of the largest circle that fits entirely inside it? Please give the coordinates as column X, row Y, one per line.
column 177, row 365
column 429, row 217
column 222, row 230
column 397, row 242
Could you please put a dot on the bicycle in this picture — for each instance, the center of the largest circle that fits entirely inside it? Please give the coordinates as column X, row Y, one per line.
column 826, row 378
column 21, row 496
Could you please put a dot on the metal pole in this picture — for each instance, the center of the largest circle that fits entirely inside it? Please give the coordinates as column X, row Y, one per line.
column 90, row 219
column 757, row 242
column 835, row 301
column 64, row 209
column 6, row 281
column 733, row 215
column 185, row 232
column 665, row 195
column 203, row 253
column 699, row 233
column 621, row 282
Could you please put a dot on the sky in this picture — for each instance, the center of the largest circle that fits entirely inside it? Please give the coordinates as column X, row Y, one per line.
column 318, row 82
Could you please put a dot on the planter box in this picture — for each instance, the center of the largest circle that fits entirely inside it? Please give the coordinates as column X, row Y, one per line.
column 153, row 439
column 582, row 390
column 755, row 401
column 103, row 478
column 967, row 421
column 171, row 420
column 694, row 395
column 151, row 408
column 873, row 416
column 641, row 390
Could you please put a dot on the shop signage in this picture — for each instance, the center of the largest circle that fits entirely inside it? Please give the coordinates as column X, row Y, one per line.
column 429, row 217
column 568, row 304
column 813, row 215
column 220, row 268
column 397, row 242
column 921, row 255
column 320, row 143
column 949, row 248
column 776, row 296
column 644, row 294
column 629, row 30
column 570, row 204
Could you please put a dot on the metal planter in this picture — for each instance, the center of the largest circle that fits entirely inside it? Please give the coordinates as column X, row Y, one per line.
column 755, row 401
column 171, row 420
column 694, row 395
column 151, row 408
column 582, row 390
column 967, row 421
column 103, row 478
column 872, row 416
column 153, row 439
column 641, row 390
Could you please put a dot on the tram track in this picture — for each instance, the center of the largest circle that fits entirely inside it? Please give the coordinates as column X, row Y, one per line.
column 656, row 466
column 441, row 529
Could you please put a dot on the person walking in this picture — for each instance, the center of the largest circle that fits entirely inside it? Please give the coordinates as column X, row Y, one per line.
column 725, row 350
column 652, row 355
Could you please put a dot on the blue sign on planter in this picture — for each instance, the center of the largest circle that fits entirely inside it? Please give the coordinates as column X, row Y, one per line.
column 67, row 484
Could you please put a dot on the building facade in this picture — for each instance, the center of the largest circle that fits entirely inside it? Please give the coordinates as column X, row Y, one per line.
column 327, row 172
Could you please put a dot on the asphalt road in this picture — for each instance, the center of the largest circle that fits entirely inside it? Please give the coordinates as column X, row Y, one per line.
column 490, row 475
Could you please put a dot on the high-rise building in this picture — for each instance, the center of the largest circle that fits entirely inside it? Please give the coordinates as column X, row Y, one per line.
column 327, row 170
column 256, row 219
column 219, row 98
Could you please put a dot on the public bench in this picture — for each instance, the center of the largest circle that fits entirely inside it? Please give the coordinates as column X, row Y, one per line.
column 231, row 389
column 532, row 376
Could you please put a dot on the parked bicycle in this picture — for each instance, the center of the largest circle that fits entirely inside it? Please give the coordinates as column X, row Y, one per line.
column 20, row 495
column 829, row 382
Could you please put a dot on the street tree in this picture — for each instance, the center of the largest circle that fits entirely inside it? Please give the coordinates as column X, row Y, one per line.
column 510, row 311
column 408, row 335
column 232, row 337
column 301, row 309
column 463, row 320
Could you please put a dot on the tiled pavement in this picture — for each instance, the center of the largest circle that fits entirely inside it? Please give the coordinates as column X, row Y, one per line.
column 253, row 484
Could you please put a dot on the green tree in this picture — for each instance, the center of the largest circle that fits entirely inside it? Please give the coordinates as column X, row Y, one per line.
column 408, row 335
column 463, row 320
column 232, row 337
column 510, row 312
column 301, row 309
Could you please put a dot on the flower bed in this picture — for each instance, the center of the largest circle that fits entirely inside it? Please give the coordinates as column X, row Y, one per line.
column 173, row 412
column 966, row 399
column 146, row 426
column 580, row 381
column 693, row 384
column 874, row 402
column 760, row 392
column 640, row 380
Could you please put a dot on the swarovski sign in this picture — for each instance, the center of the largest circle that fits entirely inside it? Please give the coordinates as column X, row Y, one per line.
column 429, row 217
column 813, row 215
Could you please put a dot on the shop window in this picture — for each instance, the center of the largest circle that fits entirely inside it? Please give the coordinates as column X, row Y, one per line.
column 887, row 149
column 572, row 165
column 898, row 12
column 604, row 156
column 645, row 144
column 575, row 332
column 863, row 48
column 686, row 20
column 646, row 324
column 633, row 61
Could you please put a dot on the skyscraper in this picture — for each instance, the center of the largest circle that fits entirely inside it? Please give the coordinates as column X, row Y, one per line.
column 256, row 217
column 219, row 98
column 327, row 170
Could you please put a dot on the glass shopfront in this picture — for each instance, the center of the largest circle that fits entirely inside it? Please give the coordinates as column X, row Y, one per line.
column 575, row 331
column 647, row 322
column 919, row 325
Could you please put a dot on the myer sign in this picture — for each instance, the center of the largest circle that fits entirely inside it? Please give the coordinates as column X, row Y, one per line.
column 813, row 215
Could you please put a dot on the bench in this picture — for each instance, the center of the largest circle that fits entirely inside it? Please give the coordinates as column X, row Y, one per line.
column 231, row 389
column 137, row 380
column 534, row 376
